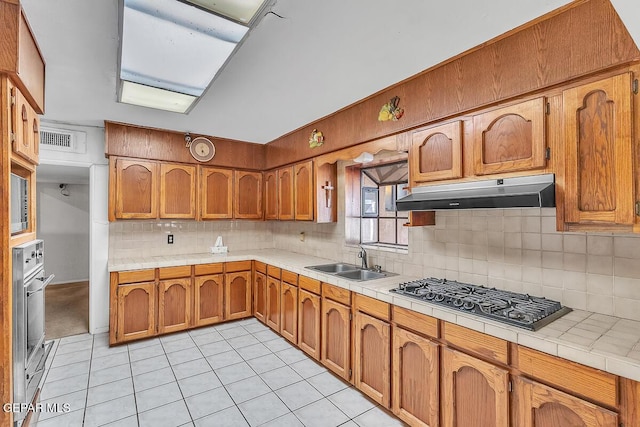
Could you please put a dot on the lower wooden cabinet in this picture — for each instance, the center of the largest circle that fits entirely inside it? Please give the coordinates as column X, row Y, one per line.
column 273, row 303
column 416, row 379
column 309, row 323
column 174, row 305
column 237, row 293
column 474, row 392
column 260, row 297
column 537, row 405
column 136, row 311
column 336, row 337
column 289, row 312
column 208, row 300
column 373, row 357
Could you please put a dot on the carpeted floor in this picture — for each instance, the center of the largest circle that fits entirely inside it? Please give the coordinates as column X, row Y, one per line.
column 66, row 309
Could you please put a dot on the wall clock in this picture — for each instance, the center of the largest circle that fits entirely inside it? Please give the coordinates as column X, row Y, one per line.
column 202, row 149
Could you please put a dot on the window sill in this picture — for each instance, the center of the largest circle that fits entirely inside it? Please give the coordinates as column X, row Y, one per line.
column 384, row 248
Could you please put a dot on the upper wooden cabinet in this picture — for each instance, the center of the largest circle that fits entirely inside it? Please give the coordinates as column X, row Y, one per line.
column 285, row 194
column 216, row 193
column 303, row 194
column 270, row 180
column 510, row 139
column 598, row 142
column 177, row 191
column 134, row 187
column 25, row 127
column 436, row 153
column 248, row 195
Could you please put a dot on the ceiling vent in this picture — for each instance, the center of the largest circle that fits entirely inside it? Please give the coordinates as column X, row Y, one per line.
column 65, row 140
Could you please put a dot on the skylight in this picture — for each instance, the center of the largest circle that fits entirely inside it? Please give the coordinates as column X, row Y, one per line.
column 172, row 50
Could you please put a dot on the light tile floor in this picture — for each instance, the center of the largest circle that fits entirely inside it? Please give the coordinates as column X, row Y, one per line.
column 234, row 374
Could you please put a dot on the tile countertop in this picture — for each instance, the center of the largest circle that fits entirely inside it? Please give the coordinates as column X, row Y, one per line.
column 609, row 343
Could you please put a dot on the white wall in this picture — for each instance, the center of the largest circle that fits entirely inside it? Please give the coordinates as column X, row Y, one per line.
column 63, row 223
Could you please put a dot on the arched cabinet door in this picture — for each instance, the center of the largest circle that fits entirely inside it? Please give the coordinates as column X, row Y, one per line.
column 542, row 406
column 289, row 312
column 474, row 392
column 216, row 193
column 336, row 337
column 247, row 195
column 237, row 295
column 309, row 323
column 177, row 191
column 304, row 191
column 285, row 194
column 136, row 311
column 260, row 296
column 270, row 180
column 136, row 189
column 273, row 303
column 436, row 153
column 372, row 361
column 174, row 305
column 208, row 299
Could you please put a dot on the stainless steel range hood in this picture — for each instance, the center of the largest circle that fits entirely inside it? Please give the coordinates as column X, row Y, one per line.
column 522, row 192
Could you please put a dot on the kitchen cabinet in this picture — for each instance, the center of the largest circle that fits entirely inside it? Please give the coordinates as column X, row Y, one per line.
column 537, row 405
column 270, row 180
column 304, row 193
column 177, row 191
column 309, row 323
column 135, row 189
column 474, row 392
column 174, row 305
column 25, row 125
column 136, row 304
column 598, row 143
column 436, row 153
column 336, row 330
column 416, row 368
column 260, row 297
column 273, row 298
column 237, row 288
column 208, row 295
column 372, row 342
column 510, row 139
column 247, row 195
column 216, row 193
column 289, row 306
column 285, row 194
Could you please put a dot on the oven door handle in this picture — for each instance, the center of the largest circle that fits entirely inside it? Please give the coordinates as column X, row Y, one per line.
column 44, row 281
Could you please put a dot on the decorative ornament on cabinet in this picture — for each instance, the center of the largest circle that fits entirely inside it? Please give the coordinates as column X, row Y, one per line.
column 316, row 139
column 391, row 110
column 201, row 148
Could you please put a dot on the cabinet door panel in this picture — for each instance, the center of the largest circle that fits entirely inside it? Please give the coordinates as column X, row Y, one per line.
column 216, row 196
column 136, row 189
column 510, row 139
column 248, row 195
column 23, row 121
column 309, row 323
column 177, row 191
column 303, row 193
column 136, row 311
column 174, row 305
column 598, row 152
column 540, row 406
column 373, row 358
column 273, row 303
column 285, row 194
column 336, row 338
column 416, row 379
column 289, row 312
column 270, row 195
column 474, row 392
column 208, row 299
column 260, row 297
column 436, row 153
column 237, row 295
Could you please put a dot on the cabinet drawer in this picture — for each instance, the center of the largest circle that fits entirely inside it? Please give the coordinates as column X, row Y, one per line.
column 273, row 271
column 577, row 379
column 136, row 276
column 476, row 342
column 415, row 321
column 311, row 285
column 203, row 269
column 175, row 272
column 230, row 267
column 337, row 294
column 260, row 266
column 371, row 306
column 290, row 278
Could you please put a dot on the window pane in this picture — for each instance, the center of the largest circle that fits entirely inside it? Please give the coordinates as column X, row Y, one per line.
column 386, row 196
column 403, row 232
column 387, row 231
column 369, row 202
column 369, row 230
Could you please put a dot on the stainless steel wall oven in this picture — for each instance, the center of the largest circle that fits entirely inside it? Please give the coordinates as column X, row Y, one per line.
column 29, row 350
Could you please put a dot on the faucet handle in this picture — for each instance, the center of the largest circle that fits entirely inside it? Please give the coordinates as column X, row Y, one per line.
column 377, row 268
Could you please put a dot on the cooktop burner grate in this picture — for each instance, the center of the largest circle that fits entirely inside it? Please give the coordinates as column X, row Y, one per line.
column 516, row 309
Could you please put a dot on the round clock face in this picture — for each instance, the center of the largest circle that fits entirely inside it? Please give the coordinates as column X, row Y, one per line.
column 202, row 149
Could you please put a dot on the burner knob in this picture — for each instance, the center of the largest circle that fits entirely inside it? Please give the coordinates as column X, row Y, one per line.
column 468, row 305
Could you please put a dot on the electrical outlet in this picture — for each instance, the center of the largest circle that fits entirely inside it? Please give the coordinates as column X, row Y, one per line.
column 170, row 239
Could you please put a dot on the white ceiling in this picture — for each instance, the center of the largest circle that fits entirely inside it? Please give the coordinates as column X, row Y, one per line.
column 322, row 56
column 63, row 174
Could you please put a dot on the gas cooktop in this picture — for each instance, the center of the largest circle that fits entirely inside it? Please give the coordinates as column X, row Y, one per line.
column 516, row 309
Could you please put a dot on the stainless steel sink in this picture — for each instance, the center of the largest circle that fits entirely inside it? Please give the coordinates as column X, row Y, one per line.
column 334, row 268
column 361, row 275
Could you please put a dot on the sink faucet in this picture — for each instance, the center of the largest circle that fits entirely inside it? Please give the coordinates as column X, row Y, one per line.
column 363, row 255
